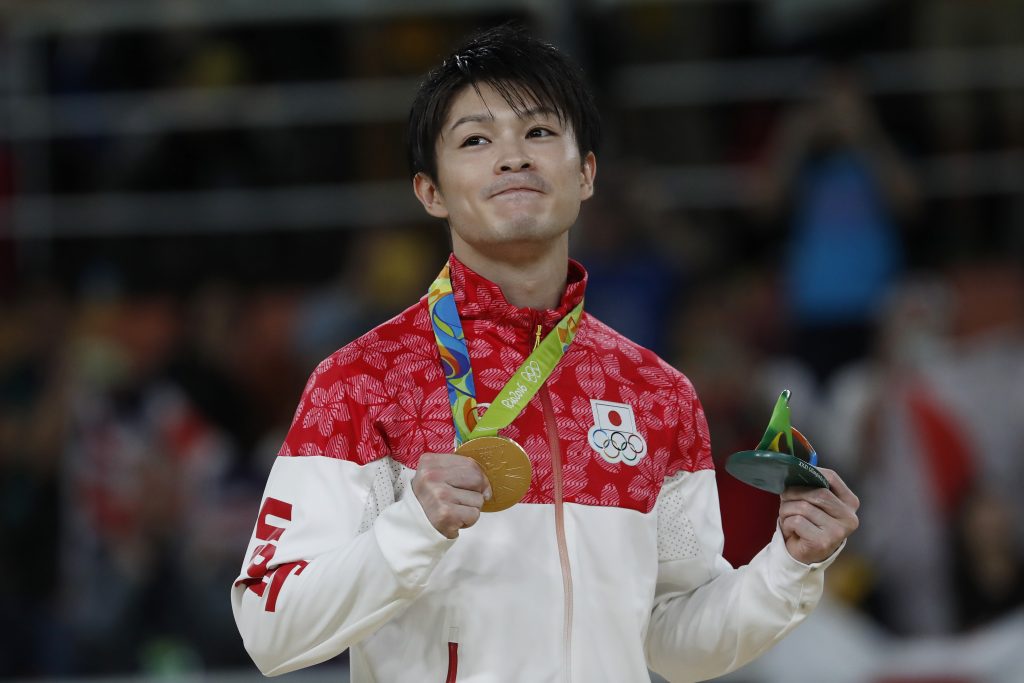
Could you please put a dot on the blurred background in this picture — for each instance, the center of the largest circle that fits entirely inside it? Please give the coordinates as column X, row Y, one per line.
column 199, row 200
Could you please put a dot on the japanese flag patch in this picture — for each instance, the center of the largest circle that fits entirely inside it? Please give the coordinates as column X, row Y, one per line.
column 614, row 434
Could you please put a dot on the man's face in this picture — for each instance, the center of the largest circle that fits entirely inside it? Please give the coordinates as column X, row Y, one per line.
column 505, row 180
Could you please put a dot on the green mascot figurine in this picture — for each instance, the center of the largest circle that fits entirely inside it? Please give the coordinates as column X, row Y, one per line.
column 774, row 465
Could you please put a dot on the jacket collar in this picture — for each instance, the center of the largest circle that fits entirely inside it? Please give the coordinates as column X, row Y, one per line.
column 477, row 298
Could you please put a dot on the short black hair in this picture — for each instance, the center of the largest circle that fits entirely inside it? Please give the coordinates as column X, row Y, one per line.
column 525, row 71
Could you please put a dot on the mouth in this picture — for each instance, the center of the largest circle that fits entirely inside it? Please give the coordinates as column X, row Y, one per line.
column 517, row 192
column 524, row 186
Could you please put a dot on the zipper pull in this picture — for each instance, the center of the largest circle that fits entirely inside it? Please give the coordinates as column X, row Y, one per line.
column 537, row 343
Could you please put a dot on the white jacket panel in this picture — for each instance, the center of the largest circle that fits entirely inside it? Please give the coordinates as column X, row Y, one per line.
column 353, row 582
column 708, row 618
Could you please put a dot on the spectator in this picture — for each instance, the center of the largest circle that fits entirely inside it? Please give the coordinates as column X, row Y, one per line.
column 989, row 568
column 33, row 425
column 843, row 189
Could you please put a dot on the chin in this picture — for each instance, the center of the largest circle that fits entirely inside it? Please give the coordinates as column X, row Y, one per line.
column 514, row 229
column 522, row 226
column 529, row 227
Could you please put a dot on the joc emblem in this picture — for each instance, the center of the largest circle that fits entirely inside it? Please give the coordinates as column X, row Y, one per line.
column 614, row 435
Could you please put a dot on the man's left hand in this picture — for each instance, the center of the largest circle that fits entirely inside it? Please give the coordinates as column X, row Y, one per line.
column 815, row 522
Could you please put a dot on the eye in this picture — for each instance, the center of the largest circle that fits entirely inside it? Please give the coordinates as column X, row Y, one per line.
column 540, row 133
column 474, row 141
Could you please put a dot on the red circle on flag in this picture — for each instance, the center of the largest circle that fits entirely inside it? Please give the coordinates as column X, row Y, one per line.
column 615, row 418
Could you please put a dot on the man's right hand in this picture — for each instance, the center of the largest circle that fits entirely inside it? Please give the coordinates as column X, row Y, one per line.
column 451, row 489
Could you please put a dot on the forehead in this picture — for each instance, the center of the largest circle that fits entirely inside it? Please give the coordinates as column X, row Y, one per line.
column 484, row 99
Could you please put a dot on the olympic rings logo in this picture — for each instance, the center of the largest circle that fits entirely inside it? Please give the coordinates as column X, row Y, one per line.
column 617, row 446
column 531, row 372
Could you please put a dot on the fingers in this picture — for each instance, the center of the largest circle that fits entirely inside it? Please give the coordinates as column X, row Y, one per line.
column 466, row 498
column 839, row 487
column 836, row 485
column 802, row 508
column 455, row 470
column 450, row 519
column 822, row 499
column 807, row 542
column 821, row 507
column 834, row 499
column 468, row 476
column 799, row 527
column 451, row 489
column 815, row 522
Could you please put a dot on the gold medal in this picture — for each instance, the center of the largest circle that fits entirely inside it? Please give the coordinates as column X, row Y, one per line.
column 506, row 466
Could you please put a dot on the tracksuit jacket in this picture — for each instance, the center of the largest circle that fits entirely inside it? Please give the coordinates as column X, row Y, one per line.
column 611, row 563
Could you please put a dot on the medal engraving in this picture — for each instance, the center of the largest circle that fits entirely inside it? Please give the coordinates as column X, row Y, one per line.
column 506, row 466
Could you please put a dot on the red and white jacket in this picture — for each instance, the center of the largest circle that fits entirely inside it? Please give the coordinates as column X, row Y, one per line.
column 611, row 564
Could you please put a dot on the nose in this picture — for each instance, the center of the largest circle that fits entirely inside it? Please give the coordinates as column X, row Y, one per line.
column 516, row 165
column 514, row 158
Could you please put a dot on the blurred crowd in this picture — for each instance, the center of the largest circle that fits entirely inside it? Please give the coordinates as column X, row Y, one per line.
column 137, row 431
column 143, row 397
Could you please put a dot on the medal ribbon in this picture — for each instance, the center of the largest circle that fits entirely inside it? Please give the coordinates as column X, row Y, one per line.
column 458, row 372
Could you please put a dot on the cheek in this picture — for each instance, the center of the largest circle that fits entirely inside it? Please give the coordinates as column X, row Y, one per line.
column 573, row 183
column 463, row 186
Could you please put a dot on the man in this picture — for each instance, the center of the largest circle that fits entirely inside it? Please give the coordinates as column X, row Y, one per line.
column 371, row 535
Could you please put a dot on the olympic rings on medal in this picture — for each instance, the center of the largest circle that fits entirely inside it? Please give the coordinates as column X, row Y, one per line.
column 531, row 372
column 618, row 446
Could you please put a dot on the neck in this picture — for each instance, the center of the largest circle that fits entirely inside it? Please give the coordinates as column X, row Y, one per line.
column 528, row 277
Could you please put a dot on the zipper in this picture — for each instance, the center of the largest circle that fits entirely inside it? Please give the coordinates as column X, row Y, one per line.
column 563, row 548
column 453, row 662
column 451, row 631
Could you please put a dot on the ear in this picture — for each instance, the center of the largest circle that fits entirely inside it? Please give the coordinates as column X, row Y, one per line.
column 429, row 194
column 588, row 172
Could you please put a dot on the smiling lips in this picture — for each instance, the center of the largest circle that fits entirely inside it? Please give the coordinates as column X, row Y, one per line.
column 529, row 182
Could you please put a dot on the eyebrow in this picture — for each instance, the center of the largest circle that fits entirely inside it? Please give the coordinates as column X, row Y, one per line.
column 532, row 113
column 472, row 118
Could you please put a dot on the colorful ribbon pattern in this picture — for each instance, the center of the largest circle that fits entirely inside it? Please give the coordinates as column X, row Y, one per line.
column 458, row 371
